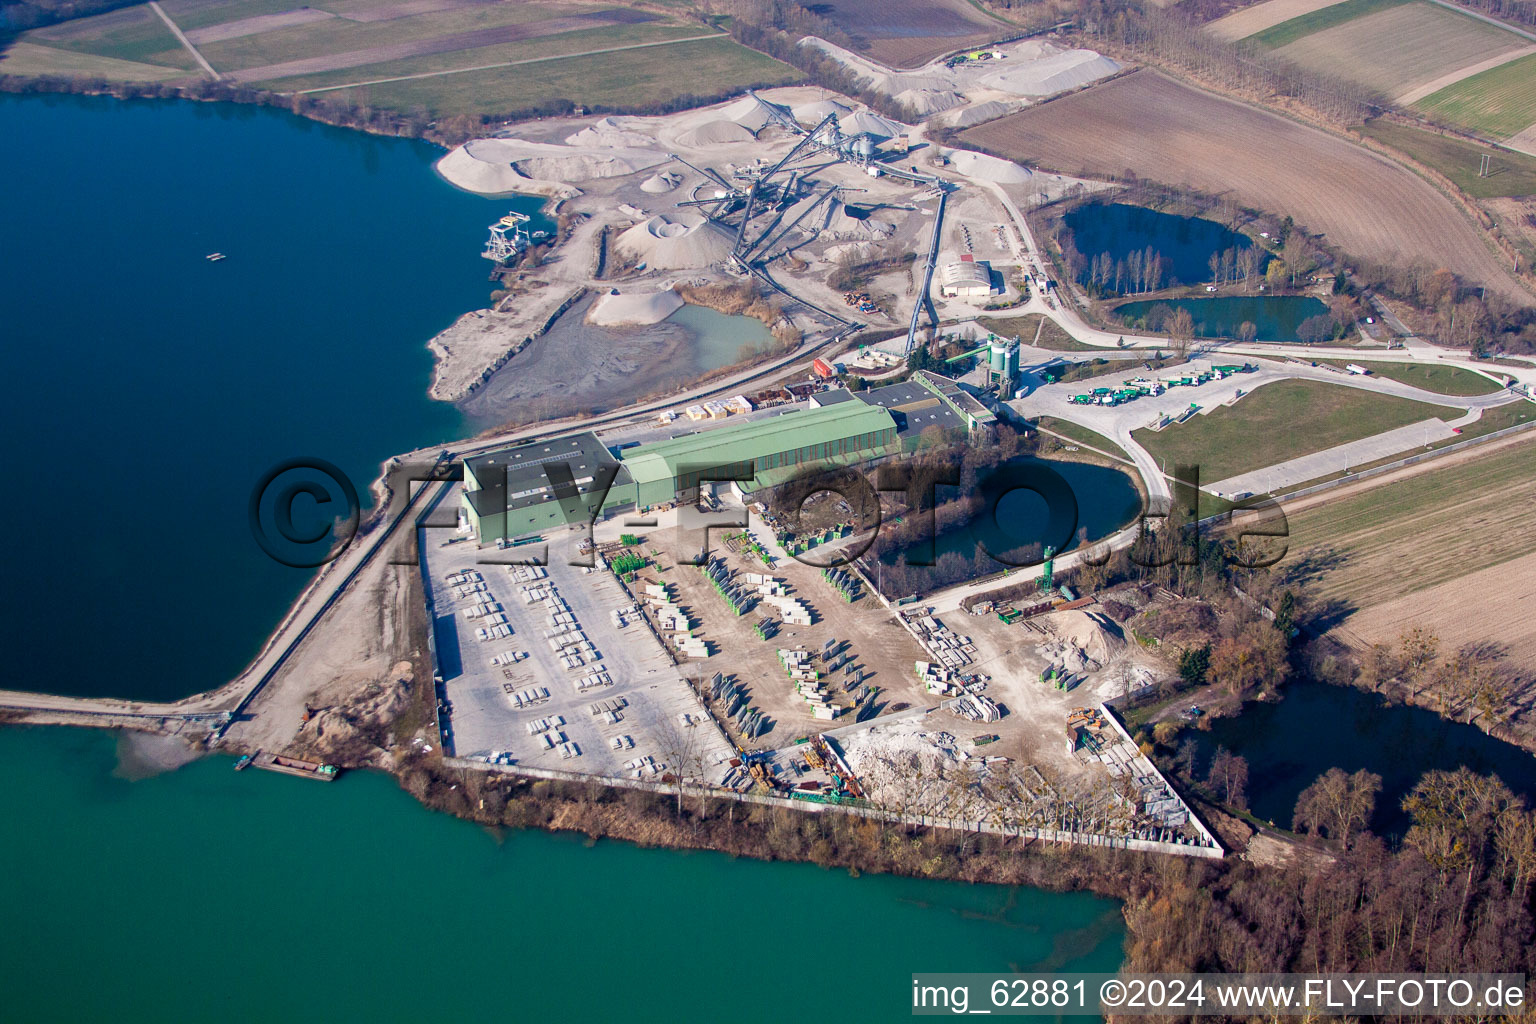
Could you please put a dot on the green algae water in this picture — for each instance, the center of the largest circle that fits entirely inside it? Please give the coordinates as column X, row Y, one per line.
column 148, row 389
column 204, row 894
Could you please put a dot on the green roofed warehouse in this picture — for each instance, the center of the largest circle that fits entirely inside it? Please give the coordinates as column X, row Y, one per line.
column 518, row 491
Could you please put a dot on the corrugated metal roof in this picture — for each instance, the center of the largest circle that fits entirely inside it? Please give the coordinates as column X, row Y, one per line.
column 748, row 440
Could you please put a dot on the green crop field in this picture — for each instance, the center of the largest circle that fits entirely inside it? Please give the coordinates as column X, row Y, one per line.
column 1442, row 380
column 1447, row 522
column 569, row 44
column 1288, row 32
column 626, row 78
column 1513, row 174
column 339, row 35
column 190, row 15
column 1402, row 49
column 1281, row 421
column 30, row 59
column 133, row 34
column 1500, row 102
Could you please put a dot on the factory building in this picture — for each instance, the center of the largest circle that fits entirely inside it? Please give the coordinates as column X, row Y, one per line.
column 549, row 484
column 928, row 400
column 965, row 278
column 764, row 452
column 542, row 485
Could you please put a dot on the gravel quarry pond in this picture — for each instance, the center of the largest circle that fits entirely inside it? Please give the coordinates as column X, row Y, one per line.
column 1184, row 243
column 157, row 890
column 1276, row 317
column 578, row 366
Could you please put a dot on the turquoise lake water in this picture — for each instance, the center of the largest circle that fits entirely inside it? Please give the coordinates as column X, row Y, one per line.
column 207, row 895
column 1275, row 316
column 151, row 389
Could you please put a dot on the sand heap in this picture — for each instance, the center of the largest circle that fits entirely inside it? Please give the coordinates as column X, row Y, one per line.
column 1052, row 73
column 752, row 113
column 614, row 309
column 870, row 124
column 812, row 114
column 664, row 181
column 840, row 223
column 676, row 241
column 1082, row 641
column 988, row 111
column 715, row 133
column 606, row 133
column 584, row 165
column 507, row 165
column 927, row 102
column 987, row 168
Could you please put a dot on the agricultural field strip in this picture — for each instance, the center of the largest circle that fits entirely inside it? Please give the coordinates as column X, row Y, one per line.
column 1500, row 102
column 129, row 34
column 342, row 35
column 1460, row 612
column 511, row 63
column 1364, row 203
column 570, row 44
column 1414, row 533
column 1418, row 92
column 1402, row 47
column 1287, row 32
column 1480, row 16
column 423, row 47
column 256, row 25
column 1247, row 21
column 24, row 58
column 631, row 77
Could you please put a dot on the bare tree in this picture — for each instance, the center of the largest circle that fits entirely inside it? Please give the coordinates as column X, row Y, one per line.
column 1229, row 777
column 1337, row 804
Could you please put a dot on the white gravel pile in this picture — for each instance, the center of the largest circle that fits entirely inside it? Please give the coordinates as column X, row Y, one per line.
column 506, row 165
column 988, row 111
column 751, row 113
column 607, row 133
column 812, row 114
column 871, row 124
column 615, row 309
column 1058, row 72
column 585, row 165
column 927, row 102
column 676, row 241
column 715, row 133
column 988, row 168
column 665, row 181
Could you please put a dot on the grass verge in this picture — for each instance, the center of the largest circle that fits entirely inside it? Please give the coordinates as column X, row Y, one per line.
column 1513, row 174
column 1282, row 421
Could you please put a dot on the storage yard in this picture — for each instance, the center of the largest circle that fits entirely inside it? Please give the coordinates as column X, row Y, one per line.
column 555, row 667
column 768, row 674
